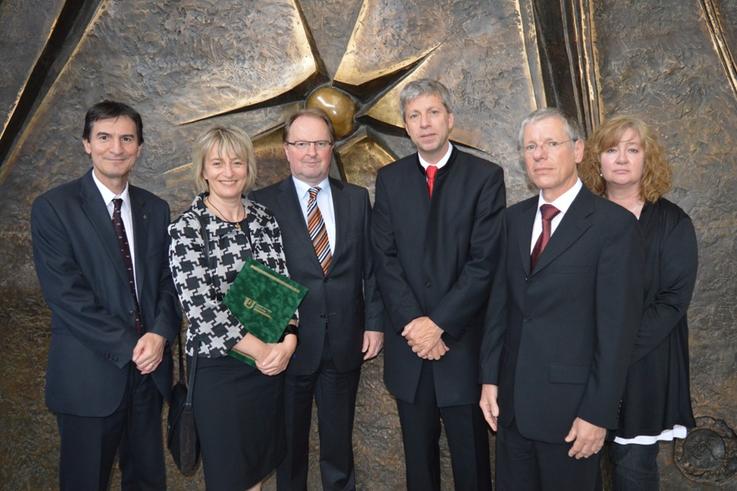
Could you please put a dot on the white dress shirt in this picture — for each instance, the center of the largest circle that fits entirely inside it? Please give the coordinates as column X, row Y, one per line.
column 563, row 202
column 125, row 213
column 324, row 203
column 444, row 160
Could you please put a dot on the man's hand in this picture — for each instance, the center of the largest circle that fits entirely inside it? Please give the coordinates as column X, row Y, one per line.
column 422, row 334
column 148, row 352
column 373, row 341
column 278, row 355
column 437, row 351
column 587, row 439
column 488, row 404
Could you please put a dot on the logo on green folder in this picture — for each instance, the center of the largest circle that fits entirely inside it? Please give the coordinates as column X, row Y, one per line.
column 252, row 304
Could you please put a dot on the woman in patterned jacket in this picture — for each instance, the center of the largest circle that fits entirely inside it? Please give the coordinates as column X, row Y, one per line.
column 238, row 409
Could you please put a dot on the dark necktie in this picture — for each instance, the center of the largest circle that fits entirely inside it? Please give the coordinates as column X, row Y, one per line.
column 318, row 232
column 125, row 252
column 548, row 212
column 430, row 173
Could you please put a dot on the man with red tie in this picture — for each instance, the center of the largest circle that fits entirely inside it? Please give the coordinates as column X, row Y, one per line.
column 564, row 308
column 435, row 232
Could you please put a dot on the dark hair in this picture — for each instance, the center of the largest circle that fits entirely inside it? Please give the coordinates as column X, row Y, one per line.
column 111, row 110
column 311, row 112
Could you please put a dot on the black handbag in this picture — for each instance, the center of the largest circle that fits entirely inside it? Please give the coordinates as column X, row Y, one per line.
column 182, row 440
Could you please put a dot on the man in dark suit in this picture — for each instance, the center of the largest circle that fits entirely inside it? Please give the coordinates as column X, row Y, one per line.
column 435, row 231
column 563, row 311
column 325, row 225
column 100, row 249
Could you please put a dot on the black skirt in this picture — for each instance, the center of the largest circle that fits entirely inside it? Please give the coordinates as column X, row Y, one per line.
column 239, row 414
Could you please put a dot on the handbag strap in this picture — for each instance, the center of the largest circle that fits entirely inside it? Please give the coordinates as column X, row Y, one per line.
column 181, row 357
column 196, row 348
column 192, row 373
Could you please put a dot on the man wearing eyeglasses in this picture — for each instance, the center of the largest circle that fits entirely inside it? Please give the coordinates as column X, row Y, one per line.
column 562, row 316
column 325, row 225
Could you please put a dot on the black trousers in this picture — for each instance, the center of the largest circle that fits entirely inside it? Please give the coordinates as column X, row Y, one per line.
column 89, row 444
column 335, row 395
column 523, row 464
column 635, row 467
column 468, row 440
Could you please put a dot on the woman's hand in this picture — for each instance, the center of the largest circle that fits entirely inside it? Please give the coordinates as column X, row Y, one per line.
column 277, row 356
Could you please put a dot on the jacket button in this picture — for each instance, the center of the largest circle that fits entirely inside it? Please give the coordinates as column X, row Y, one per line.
column 325, row 280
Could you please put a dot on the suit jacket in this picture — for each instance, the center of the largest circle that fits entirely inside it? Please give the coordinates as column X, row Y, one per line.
column 558, row 338
column 343, row 303
column 85, row 285
column 436, row 258
column 657, row 393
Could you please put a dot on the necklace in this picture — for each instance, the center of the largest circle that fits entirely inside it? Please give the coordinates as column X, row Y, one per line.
column 237, row 223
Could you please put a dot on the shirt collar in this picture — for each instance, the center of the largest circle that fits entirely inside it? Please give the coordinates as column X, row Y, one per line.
column 441, row 162
column 303, row 188
column 564, row 201
column 107, row 195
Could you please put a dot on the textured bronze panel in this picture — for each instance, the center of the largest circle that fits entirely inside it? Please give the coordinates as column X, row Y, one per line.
column 25, row 28
column 330, row 22
column 251, row 63
column 361, row 156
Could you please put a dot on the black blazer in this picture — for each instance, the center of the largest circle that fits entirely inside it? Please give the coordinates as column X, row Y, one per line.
column 436, row 258
column 657, row 394
column 85, row 285
column 558, row 339
column 345, row 302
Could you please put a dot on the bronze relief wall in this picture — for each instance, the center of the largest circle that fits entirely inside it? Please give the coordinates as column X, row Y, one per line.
column 187, row 64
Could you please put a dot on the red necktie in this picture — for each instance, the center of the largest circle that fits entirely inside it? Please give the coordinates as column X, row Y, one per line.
column 430, row 173
column 125, row 252
column 548, row 212
column 318, row 232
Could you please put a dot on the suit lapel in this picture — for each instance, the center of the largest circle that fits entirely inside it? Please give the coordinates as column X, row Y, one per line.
column 94, row 207
column 289, row 202
column 524, row 233
column 575, row 222
column 139, row 217
column 341, row 212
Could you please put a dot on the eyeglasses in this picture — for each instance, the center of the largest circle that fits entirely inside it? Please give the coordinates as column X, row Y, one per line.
column 304, row 145
column 549, row 145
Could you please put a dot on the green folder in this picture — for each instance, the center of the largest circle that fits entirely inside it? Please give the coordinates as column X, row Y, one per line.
column 263, row 301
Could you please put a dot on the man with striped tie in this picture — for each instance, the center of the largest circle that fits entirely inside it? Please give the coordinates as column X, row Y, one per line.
column 325, row 229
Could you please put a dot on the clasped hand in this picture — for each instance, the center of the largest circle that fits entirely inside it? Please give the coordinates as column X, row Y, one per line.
column 274, row 357
column 424, row 337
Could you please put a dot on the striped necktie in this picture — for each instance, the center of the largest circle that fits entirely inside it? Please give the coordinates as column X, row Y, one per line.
column 318, row 232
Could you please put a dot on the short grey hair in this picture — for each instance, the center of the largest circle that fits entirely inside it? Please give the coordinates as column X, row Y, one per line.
column 424, row 86
column 570, row 125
